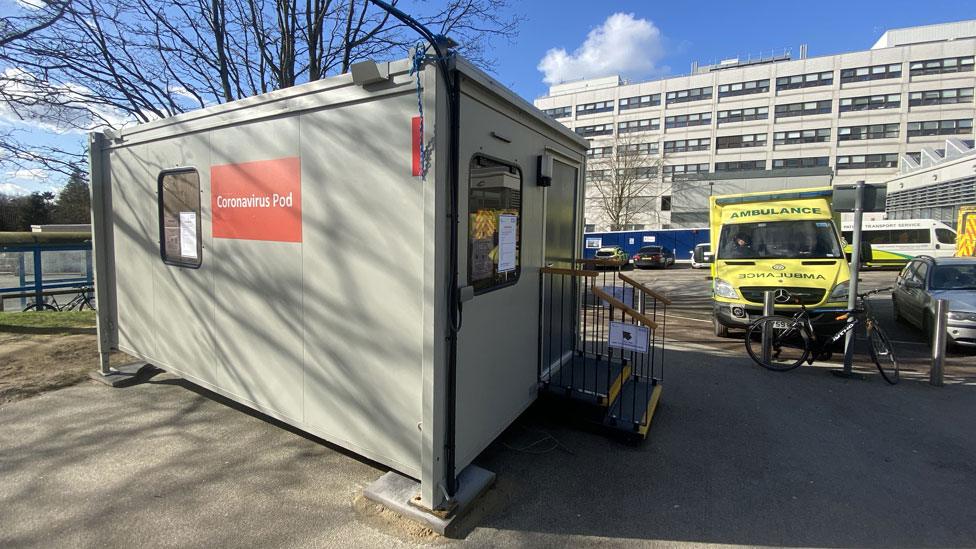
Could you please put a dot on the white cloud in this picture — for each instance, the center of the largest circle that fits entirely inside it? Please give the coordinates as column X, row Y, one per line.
column 58, row 108
column 13, row 189
column 29, row 174
column 31, row 4
column 622, row 45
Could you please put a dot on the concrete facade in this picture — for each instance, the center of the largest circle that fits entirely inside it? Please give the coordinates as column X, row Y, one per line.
column 860, row 114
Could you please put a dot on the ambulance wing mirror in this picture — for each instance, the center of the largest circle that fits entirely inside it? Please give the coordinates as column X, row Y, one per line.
column 866, row 253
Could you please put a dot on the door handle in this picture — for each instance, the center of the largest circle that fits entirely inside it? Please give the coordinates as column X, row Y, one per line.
column 938, row 247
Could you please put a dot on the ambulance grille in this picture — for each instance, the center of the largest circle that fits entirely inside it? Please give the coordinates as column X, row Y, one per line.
column 808, row 296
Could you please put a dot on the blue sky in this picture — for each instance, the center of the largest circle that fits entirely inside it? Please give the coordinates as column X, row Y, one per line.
column 708, row 31
column 651, row 39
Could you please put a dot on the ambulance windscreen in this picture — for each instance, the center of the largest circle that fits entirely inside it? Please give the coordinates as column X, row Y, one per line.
column 780, row 240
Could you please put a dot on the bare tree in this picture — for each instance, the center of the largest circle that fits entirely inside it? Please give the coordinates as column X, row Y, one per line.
column 106, row 63
column 624, row 180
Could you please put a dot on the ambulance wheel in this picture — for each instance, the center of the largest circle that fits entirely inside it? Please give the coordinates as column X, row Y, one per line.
column 721, row 330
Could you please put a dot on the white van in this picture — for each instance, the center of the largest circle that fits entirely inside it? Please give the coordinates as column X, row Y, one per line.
column 895, row 242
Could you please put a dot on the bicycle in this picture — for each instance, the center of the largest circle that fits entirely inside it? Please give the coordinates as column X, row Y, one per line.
column 81, row 300
column 791, row 341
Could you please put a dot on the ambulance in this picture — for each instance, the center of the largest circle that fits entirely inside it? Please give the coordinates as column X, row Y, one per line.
column 966, row 232
column 781, row 241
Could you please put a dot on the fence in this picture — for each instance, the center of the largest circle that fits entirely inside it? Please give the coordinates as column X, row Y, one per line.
column 33, row 266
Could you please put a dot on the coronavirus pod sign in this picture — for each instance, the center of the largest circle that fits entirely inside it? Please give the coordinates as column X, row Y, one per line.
column 259, row 200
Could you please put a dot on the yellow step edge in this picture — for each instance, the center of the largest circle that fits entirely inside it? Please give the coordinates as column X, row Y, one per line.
column 651, row 407
column 616, row 385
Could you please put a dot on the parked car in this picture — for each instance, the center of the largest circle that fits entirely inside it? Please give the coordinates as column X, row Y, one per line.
column 613, row 253
column 926, row 280
column 653, row 256
column 704, row 253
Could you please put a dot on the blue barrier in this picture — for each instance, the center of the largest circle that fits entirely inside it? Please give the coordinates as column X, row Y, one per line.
column 38, row 285
column 682, row 241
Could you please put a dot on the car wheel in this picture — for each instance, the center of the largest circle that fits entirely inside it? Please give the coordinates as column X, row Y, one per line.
column 927, row 329
column 721, row 330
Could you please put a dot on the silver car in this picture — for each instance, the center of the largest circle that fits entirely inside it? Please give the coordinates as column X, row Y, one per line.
column 926, row 280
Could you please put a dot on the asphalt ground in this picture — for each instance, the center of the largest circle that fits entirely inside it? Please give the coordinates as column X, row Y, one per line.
column 736, row 455
column 689, row 321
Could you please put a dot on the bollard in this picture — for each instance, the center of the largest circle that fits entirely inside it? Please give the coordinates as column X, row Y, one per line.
column 768, row 309
column 939, row 342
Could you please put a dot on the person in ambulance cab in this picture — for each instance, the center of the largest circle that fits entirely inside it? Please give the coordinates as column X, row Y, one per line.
column 741, row 247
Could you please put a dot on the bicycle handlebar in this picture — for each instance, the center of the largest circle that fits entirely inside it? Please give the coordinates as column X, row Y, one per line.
column 872, row 292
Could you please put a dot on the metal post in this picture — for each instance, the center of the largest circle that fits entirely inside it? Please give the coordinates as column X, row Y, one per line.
column 38, row 280
column 769, row 307
column 22, row 272
column 855, row 272
column 939, row 342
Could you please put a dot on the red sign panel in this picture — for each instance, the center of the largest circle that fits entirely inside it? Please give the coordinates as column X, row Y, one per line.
column 417, row 133
column 257, row 200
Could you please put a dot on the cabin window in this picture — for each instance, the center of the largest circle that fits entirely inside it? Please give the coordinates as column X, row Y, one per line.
column 180, row 241
column 494, row 224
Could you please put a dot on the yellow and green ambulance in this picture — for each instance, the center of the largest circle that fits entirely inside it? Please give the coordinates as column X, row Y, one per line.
column 785, row 241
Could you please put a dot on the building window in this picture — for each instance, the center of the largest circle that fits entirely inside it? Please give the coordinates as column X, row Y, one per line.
column 808, row 162
column 685, row 96
column 593, row 108
column 632, row 227
column 683, row 169
column 805, row 80
column 596, row 175
column 874, row 72
column 639, row 101
column 666, row 203
column 688, row 120
column 870, row 102
column 887, row 160
column 589, row 227
column 642, row 172
column 740, row 165
column 740, row 141
column 940, row 127
column 803, row 109
column 637, row 149
column 599, row 152
column 639, row 125
column 180, row 236
column 939, row 66
column 598, row 129
column 743, row 115
column 743, row 88
column 687, row 145
column 559, row 112
column 874, row 131
column 495, row 214
column 941, row 97
column 821, row 135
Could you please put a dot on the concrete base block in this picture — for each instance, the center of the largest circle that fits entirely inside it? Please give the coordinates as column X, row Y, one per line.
column 126, row 374
column 397, row 493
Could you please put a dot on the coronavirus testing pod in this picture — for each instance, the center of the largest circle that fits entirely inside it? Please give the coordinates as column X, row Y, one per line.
column 357, row 256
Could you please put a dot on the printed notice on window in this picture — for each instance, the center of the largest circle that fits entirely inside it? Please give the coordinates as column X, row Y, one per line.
column 507, row 225
column 188, row 234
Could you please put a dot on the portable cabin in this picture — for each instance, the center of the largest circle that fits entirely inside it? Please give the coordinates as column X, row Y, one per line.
column 294, row 252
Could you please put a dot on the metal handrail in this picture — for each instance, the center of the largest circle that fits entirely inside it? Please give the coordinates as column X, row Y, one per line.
column 617, row 304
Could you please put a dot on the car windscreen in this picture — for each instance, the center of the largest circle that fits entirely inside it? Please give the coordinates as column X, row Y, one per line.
column 605, row 253
column 954, row 277
column 780, row 240
column 650, row 250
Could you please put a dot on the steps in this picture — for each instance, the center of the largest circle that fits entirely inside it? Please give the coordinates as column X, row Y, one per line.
column 604, row 393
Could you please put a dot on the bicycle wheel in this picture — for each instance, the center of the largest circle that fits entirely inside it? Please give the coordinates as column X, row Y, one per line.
column 41, row 307
column 789, row 345
column 882, row 354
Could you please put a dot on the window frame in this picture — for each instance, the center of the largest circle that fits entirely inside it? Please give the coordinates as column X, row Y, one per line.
column 518, row 228
column 162, row 229
column 853, row 74
column 798, row 81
